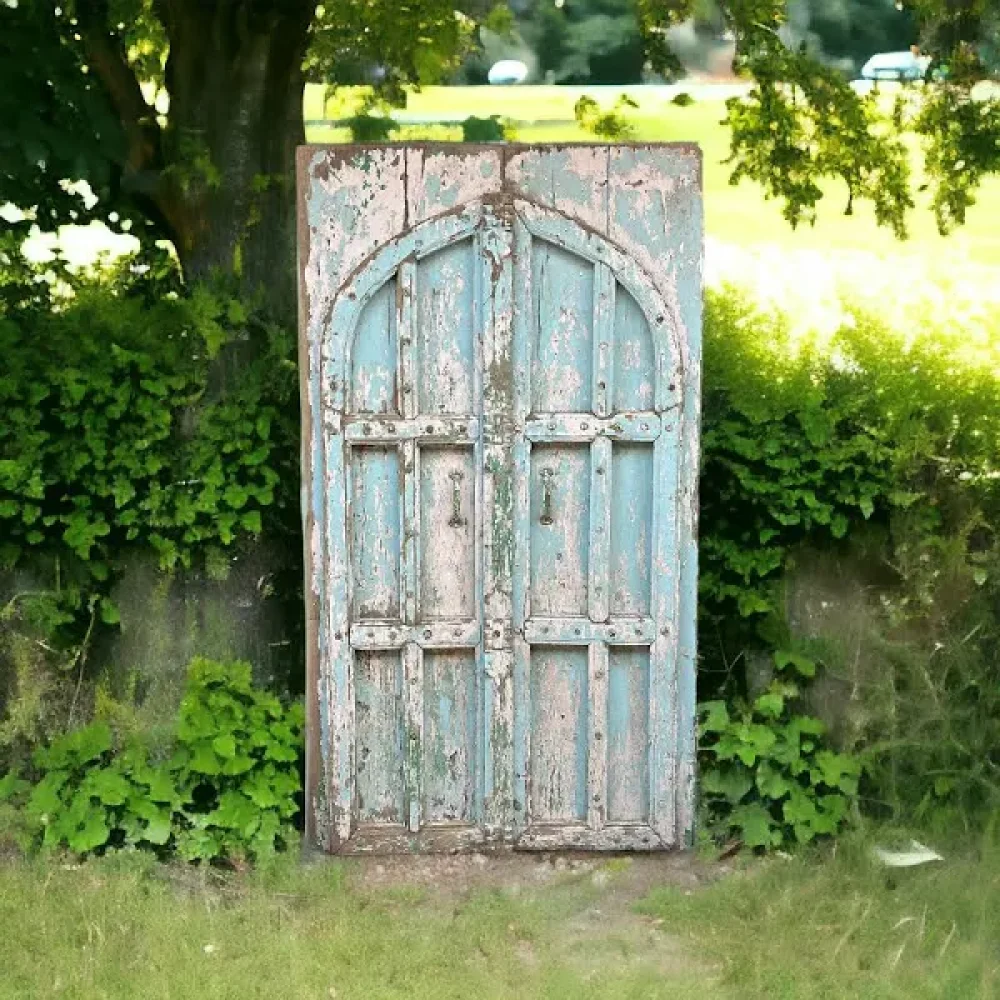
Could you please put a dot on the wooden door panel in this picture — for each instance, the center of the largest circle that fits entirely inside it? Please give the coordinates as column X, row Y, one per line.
column 500, row 409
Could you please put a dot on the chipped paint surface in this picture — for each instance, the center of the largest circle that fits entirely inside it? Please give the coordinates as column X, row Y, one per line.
column 500, row 353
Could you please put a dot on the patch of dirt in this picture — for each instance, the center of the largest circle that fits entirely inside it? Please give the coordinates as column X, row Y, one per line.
column 626, row 877
column 595, row 895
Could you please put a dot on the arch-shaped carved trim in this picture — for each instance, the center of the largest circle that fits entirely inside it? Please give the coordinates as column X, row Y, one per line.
column 597, row 248
column 443, row 231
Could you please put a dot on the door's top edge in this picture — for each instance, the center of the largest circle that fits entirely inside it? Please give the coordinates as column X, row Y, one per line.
column 445, row 146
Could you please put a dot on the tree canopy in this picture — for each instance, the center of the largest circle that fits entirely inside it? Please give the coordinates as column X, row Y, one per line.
column 182, row 115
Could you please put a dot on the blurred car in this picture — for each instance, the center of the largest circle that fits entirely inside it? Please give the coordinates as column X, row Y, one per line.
column 898, row 66
column 507, row 71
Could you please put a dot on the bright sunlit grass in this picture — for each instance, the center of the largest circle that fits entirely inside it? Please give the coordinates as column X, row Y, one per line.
column 837, row 924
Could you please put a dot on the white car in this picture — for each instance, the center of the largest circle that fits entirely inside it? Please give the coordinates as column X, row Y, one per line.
column 507, row 71
column 899, row 66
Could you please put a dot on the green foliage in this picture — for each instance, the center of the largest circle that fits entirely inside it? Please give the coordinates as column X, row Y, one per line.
column 226, row 791
column 371, row 128
column 136, row 422
column 492, row 129
column 586, row 41
column 809, row 440
column 877, row 441
column 767, row 776
column 235, row 766
column 611, row 125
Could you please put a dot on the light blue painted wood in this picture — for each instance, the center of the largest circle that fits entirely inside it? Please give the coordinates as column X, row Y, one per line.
column 379, row 740
column 634, row 357
column 559, row 746
column 628, row 734
column 631, row 549
column 375, row 533
column 563, row 292
column 543, row 690
column 445, row 320
column 451, row 721
column 375, row 362
column 560, row 526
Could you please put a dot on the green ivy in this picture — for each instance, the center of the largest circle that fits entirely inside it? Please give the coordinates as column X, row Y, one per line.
column 138, row 419
column 227, row 790
column 767, row 776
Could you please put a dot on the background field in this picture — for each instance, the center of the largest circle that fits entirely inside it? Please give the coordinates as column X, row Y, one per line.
column 737, row 215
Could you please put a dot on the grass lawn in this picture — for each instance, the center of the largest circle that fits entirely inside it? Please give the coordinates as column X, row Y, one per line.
column 738, row 215
column 831, row 924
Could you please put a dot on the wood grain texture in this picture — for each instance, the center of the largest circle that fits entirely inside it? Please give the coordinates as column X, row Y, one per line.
column 498, row 657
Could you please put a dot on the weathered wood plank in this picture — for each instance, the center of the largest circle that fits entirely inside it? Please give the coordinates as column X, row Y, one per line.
column 376, row 525
column 629, row 567
column 447, row 557
column 571, row 180
column 560, row 529
column 439, row 181
column 563, row 297
column 559, row 726
column 628, row 735
column 444, row 328
column 380, row 737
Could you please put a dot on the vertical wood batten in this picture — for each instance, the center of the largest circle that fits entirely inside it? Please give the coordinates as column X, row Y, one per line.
column 494, row 277
column 521, row 351
column 597, row 763
column 413, row 697
column 604, row 331
column 601, row 493
column 599, row 562
column 663, row 718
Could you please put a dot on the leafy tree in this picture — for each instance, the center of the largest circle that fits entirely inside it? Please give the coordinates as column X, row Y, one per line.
column 587, row 41
column 803, row 124
column 183, row 115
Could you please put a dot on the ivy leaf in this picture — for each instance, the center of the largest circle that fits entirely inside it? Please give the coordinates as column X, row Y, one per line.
column 757, row 828
column 93, row 833
column 732, row 783
column 783, row 659
column 771, row 783
column 108, row 786
column 770, row 704
column 157, row 829
column 836, row 771
column 225, row 745
column 203, row 760
column 714, row 717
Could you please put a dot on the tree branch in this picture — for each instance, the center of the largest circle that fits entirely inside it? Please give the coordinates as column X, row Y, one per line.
column 107, row 60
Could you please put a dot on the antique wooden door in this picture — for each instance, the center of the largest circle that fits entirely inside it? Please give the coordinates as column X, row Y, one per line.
column 500, row 358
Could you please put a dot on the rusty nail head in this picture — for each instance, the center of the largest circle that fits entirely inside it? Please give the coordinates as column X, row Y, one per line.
column 612, row 632
column 427, row 633
column 600, row 470
column 598, row 736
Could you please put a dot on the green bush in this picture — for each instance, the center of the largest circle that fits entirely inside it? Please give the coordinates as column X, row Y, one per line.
column 866, row 440
column 227, row 789
column 767, row 775
column 136, row 421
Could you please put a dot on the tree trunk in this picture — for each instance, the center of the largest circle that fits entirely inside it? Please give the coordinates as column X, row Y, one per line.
column 235, row 80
